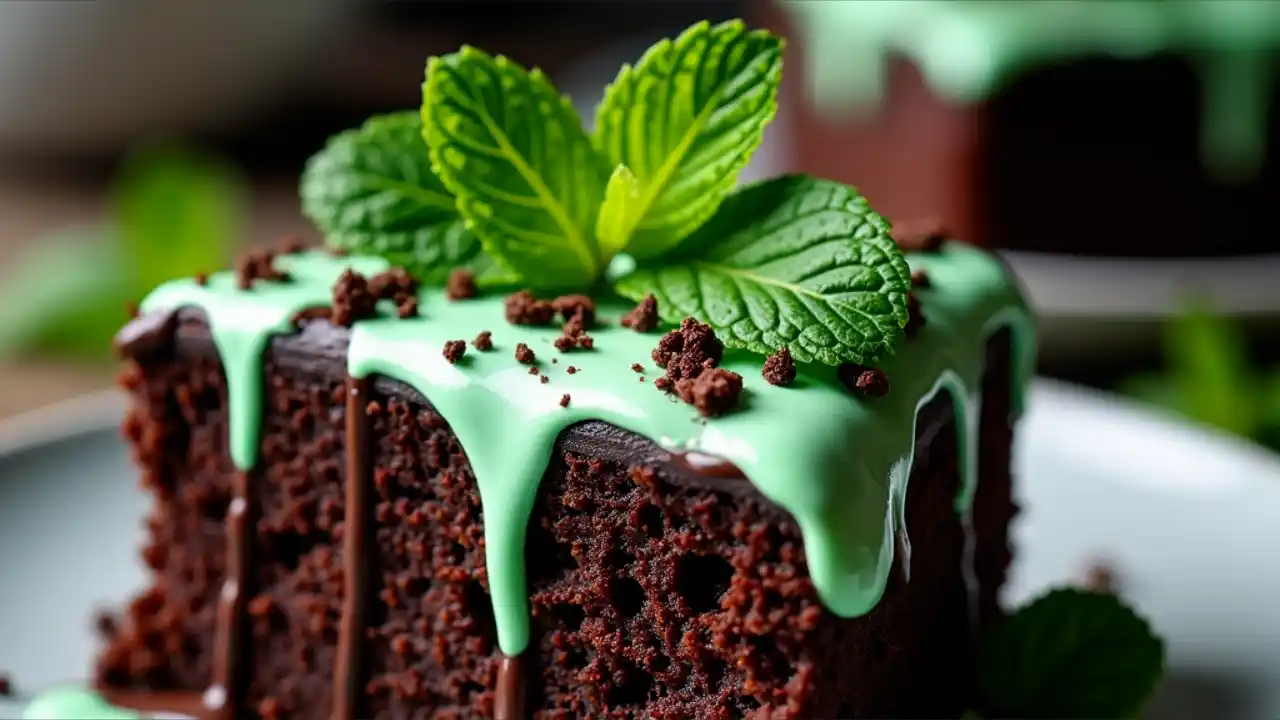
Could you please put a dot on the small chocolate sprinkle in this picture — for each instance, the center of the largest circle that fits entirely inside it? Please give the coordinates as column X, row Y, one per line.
column 576, row 306
column 256, row 265
column 407, row 307
column 554, row 361
column 544, row 379
column 713, row 392
column 779, row 368
column 564, row 400
column 524, row 355
column 483, row 341
column 461, row 285
column 687, row 351
column 201, row 279
column 352, row 299
column 533, row 371
column 644, row 317
column 336, row 251
column 571, row 369
column 924, row 235
column 454, row 350
column 131, row 309
column 1100, row 577
column 522, row 308
column 637, row 367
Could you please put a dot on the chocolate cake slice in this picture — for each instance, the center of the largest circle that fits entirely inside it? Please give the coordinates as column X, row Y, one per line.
column 323, row 540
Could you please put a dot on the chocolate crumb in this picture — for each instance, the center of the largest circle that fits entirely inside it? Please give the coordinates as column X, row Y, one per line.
column 106, row 624
column 336, row 251
column 534, row 371
column 201, row 279
column 352, row 299
column 1100, row 577
column 306, row 315
column 864, row 380
column 925, row 235
column 920, row 279
column 641, row 378
column 544, row 379
column 461, row 285
column 6, row 685
column 454, row 350
column 524, row 355
column 554, row 361
column 522, row 308
column 574, row 335
column 395, row 284
column 915, row 317
column 576, row 306
column 644, row 317
column 131, row 309
column 686, row 352
column 713, row 392
column 571, row 369
column 565, row 343
column 564, row 400
column 483, row 341
column 664, row 383
column 779, row 368
column 258, row 265
column 637, row 367
column 407, row 307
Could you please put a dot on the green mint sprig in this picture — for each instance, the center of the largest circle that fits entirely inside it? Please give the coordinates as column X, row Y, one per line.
column 794, row 261
column 1071, row 654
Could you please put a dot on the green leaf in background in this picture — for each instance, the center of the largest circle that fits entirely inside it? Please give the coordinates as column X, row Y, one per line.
column 514, row 153
column 619, row 211
column 1071, row 654
column 794, row 261
column 685, row 120
column 372, row 190
column 1208, row 361
column 177, row 212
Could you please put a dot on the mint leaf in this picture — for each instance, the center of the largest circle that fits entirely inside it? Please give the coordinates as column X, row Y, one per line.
column 619, row 212
column 1208, row 361
column 178, row 212
column 1071, row 654
column 794, row 261
column 372, row 190
column 685, row 120
column 515, row 155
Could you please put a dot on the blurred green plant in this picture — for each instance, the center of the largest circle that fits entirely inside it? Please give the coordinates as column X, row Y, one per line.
column 1209, row 377
column 173, row 212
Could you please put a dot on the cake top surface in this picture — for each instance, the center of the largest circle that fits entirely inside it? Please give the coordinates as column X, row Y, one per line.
column 968, row 49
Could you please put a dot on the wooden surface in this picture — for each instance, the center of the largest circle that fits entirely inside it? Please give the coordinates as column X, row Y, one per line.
column 29, row 208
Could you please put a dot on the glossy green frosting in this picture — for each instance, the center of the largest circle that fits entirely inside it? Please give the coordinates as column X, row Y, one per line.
column 837, row 463
column 967, row 49
column 75, row 703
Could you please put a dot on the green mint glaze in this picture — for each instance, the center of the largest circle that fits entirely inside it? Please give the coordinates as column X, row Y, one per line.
column 74, row 703
column 967, row 49
column 243, row 321
column 842, row 475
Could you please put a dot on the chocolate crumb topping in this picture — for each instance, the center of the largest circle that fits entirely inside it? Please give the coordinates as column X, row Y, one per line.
column 6, row 685
column 258, row 265
column 483, row 341
column 201, row 279
column 926, row 235
column 534, row 371
column 915, row 316
column 408, row 307
column 306, row 315
column 454, row 350
column 644, row 317
column 713, row 392
column 554, row 361
column 461, row 285
column 292, row 244
column 575, row 335
column 395, row 284
column 779, row 368
column 576, row 306
column 522, row 308
column 524, row 354
column 920, row 279
column 686, row 352
column 863, row 380
column 571, row 369
column 1100, row 577
column 564, row 400
column 637, row 367
column 336, row 251
column 352, row 299
column 131, row 309
column 544, row 379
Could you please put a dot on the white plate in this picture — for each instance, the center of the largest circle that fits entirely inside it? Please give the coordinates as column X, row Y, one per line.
column 1189, row 518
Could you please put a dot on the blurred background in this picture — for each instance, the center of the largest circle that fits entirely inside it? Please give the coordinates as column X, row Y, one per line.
column 1123, row 154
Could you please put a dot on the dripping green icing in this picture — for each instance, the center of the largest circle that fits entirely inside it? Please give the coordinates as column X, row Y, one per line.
column 843, row 478
column 967, row 49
